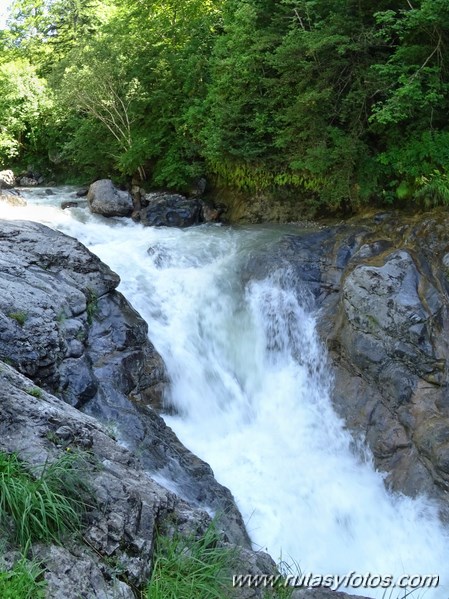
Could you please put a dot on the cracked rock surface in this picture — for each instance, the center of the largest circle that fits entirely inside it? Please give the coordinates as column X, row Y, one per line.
column 64, row 325
column 381, row 286
column 112, row 556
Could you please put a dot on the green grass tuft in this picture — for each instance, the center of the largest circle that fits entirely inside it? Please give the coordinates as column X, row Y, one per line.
column 92, row 306
column 191, row 568
column 23, row 581
column 19, row 317
column 42, row 507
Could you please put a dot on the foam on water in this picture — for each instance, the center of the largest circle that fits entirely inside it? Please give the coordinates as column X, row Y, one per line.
column 252, row 389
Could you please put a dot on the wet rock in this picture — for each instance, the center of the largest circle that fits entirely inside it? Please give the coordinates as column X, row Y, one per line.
column 211, row 213
column 12, row 197
column 126, row 507
column 69, row 204
column 63, row 324
column 382, row 289
column 26, row 181
column 104, row 198
column 170, row 210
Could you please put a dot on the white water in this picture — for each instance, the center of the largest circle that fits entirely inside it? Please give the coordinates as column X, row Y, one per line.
column 251, row 384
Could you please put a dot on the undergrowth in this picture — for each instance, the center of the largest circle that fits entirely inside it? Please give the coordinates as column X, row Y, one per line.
column 23, row 581
column 41, row 505
column 191, row 568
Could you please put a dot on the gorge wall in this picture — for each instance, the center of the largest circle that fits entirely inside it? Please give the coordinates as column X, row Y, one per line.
column 381, row 285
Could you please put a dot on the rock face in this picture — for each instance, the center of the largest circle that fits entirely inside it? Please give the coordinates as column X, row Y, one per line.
column 170, row 210
column 63, row 324
column 113, row 559
column 382, row 287
column 107, row 200
column 264, row 207
column 211, row 213
column 7, row 179
column 26, row 181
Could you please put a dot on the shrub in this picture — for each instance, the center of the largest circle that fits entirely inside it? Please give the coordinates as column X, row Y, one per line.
column 19, row 317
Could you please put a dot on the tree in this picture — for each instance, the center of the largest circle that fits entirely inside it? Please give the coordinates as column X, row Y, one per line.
column 24, row 103
column 409, row 116
column 46, row 31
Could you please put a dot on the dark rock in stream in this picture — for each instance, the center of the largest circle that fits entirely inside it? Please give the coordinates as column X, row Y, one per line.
column 63, row 325
column 170, row 210
column 382, row 289
column 69, row 204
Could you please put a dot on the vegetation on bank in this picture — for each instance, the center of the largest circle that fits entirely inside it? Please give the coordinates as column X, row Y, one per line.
column 200, row 567
column 340, row 103
column 191, row 568
column 22, row 581
column 43, row 504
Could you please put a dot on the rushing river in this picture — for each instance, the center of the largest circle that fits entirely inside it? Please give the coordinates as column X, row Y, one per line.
column 252, row 389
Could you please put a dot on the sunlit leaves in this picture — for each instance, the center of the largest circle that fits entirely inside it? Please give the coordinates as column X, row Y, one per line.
column 24, row 100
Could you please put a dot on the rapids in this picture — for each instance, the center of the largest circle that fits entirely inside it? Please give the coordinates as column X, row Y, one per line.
column 251, row 389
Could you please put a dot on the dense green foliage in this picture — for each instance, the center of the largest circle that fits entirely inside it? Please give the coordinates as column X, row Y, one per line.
column 340, row 102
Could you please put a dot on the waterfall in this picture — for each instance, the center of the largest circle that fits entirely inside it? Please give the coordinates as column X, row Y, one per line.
column 251, row 394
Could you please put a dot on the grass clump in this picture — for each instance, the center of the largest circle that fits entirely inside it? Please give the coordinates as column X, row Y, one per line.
column 42, row 507
column 35, row 392
column 191, row 568
column 91, row 306
column 19, row 317
column 23, row 581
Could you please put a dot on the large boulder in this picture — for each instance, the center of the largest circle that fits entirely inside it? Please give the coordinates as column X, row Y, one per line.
column 7, row 179
column 170, row 210
column 63, row 324
column 26, row 181
column 104, row 198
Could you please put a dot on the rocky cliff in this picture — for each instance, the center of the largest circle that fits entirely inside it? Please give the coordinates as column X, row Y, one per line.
column 381, row 285
column 64, row 326
column 113, row 556
column 72, row 348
